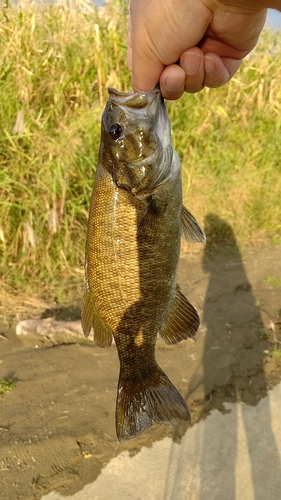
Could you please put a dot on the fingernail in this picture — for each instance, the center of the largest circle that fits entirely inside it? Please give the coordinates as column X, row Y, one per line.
column 171, row 87
column 209, row 66
column 191, row 63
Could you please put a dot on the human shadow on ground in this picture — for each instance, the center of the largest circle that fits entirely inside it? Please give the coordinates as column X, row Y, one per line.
column 233, row 357
column 232, row 370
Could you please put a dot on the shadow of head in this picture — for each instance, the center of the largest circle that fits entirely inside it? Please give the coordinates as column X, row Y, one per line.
column 218, row 231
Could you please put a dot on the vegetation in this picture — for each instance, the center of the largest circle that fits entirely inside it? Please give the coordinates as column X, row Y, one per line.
column 56, row 65
column 5, row 386
column 272, row 281
column 276, row 354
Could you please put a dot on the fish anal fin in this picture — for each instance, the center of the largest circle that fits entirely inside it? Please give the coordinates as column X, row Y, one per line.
column 156, row 398
column 182, row 322
column 91, row 319
column 191, row 231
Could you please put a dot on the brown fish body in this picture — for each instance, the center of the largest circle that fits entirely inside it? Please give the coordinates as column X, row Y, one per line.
column 132, row 252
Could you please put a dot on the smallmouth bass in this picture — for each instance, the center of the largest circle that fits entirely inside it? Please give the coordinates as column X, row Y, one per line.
column 136, row 221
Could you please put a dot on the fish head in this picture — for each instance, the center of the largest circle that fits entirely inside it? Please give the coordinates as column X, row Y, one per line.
column 134, row 126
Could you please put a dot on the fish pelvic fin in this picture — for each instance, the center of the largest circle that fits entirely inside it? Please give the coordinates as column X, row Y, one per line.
column 182, row 322
column 138, row 404
column 91, row 319
column 191, row 231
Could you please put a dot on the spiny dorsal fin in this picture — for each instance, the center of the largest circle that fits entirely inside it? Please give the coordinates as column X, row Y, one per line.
column 90, row 319
column 182, row 322
column 191, row 231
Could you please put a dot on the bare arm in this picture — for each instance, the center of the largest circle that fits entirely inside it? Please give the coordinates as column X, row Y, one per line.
column 188, row 44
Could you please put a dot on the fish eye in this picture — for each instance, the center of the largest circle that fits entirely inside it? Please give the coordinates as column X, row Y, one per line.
column 115, row 131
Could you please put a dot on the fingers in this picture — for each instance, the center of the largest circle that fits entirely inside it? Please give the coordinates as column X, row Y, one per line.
column 206, row 70
column 192, row 62
column 211, row 71
column 196, row 71
column 188, row 76
column 172, row 82
column 219, row 70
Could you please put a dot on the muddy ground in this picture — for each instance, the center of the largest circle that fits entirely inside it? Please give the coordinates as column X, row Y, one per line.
column 57, row 423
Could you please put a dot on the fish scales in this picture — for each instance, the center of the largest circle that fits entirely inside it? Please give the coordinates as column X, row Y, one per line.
column 136, row 220
column 112, row 251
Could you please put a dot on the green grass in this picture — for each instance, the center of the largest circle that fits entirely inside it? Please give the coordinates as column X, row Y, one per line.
column 272, row 281
column 5, row 386
column 56, row 65
column 263, row 333
column 276, row 354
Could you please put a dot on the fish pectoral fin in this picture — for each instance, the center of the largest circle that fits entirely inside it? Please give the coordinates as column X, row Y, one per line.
column 91, row 319
column 182, row 322
column 155, row 398
column 147, row 226
column 191, row 231
column 160, row 201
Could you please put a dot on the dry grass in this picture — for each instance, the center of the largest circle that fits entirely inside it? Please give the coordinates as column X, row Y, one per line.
column 56, row 65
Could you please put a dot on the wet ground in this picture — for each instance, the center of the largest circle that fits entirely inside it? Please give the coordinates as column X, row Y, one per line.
column 57, row 423
column 235, row 455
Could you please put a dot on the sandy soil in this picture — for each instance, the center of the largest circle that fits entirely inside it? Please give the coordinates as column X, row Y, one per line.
column 57, row 423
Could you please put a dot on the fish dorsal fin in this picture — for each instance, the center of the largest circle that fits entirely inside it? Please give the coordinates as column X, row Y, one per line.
column 182, row 322
column 90, row 319
column 191, row 231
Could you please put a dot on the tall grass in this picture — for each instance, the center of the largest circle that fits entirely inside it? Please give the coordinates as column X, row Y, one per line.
column 56, row 65
column 229, row 140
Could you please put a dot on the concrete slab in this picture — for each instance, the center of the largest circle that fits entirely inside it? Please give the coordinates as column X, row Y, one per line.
column 230, row 456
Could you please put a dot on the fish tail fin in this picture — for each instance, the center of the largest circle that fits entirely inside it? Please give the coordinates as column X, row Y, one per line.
column 139, row 403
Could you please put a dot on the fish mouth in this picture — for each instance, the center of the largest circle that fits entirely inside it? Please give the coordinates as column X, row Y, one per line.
column 137, row 100
column 141, row 101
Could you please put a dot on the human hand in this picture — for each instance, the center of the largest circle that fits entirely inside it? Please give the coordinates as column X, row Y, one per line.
column 186, row 45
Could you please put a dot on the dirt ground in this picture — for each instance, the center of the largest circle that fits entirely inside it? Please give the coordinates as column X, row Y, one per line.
column 57, row 423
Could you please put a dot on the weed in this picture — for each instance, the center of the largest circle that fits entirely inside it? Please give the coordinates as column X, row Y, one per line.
column 276, row 354
column 272, row 281
column 5, row 386
column 263, row 333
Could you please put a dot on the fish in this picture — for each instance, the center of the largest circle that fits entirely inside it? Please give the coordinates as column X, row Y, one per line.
column 136, row 221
